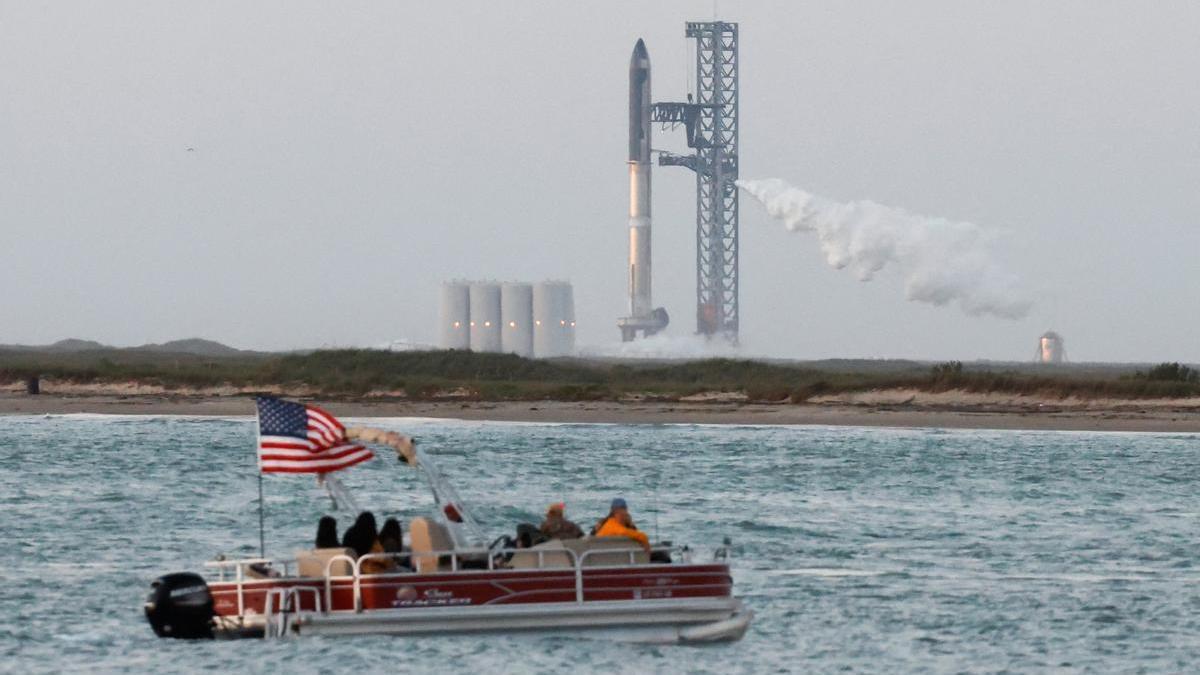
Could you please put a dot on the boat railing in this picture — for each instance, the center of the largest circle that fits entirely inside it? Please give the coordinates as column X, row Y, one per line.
column 282, row 603
column 494, row 558
column 633, row 552
column 239, row 567
column 578, row 563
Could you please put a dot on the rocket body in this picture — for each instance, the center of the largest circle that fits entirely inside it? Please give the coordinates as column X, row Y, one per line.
column 643, row 316
column 640, row 303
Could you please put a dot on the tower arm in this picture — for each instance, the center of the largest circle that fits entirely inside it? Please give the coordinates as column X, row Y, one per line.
column 672, row 114
column 671, row 159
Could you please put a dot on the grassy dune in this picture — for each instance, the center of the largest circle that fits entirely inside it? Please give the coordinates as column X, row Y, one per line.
column 433, row 374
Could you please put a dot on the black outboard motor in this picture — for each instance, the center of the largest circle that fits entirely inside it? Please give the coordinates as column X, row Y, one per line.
column 180, row 606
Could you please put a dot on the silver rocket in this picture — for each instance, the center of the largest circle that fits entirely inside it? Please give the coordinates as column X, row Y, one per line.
column 642, row 314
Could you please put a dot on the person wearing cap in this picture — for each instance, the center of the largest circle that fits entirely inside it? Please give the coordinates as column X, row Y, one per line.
column 556, row 525
column 619, row 523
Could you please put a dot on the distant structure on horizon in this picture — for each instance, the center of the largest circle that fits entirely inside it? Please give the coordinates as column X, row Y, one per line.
column 530, row 320
column 1051, row 348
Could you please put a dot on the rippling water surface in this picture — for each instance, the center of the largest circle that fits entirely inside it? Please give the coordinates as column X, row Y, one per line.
column 860, row 549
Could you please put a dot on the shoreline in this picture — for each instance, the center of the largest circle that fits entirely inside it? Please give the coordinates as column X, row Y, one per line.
column 1125, row 416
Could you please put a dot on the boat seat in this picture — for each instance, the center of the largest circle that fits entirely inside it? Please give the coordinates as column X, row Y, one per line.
column 427, row 536
column 259, row 571
column 617, row 557
column 552, row 555
column 311, row 563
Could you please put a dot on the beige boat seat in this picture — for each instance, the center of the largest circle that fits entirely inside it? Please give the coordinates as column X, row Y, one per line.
column 311, row 563
column 259, row 571
column 619, row 546
column 427, row 536
column 548, row 554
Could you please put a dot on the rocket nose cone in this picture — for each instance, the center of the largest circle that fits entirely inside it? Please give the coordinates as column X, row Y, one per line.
column 639, row 53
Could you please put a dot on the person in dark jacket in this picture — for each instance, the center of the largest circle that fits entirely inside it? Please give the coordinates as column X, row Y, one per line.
column 556, row 525
column 363, row 535
column 364, row 540
column 327, row 532
column 391, row 538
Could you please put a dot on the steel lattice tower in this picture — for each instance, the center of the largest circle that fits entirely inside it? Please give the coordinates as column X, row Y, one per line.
column 711, row 122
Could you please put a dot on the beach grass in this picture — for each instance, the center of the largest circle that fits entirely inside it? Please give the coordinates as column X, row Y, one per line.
column 433, row 375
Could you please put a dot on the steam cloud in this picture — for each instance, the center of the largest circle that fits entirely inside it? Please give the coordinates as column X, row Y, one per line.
column 664, row 346
column 943, row 261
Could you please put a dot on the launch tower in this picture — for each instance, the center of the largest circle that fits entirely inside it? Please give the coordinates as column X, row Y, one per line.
column 711, row 124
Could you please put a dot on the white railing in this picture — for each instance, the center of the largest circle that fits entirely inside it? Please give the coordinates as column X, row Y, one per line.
column 241, row 564
column 239, row 567
column 276, row 623
column 577, row 563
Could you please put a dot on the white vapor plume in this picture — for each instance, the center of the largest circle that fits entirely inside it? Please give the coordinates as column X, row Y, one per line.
column 943, row 261
column 664, row 346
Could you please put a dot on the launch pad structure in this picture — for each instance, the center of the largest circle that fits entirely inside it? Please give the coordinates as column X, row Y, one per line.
column 711, row 125
column 710, row 122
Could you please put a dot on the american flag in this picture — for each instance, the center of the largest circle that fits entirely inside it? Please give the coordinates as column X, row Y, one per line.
column 297, row 438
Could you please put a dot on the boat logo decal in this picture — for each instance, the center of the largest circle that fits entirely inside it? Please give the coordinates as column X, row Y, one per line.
column 407, row 596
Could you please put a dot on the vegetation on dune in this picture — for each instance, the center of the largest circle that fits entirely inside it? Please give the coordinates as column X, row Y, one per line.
column 464, row 374
column 1166, row 380
column 1170, row 372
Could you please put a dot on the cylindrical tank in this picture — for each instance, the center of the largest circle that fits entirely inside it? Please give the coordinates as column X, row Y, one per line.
column 454, row 317
column 516, row 315
column 485, row 317
column 1051, row 348
column 553, row 319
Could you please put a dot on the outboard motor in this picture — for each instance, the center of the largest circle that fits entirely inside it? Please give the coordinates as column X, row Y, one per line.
column 180, row 606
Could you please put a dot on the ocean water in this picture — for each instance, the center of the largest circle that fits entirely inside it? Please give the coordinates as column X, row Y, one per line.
column 860, row 550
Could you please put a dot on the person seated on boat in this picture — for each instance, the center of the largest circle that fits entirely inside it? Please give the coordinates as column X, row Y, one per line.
column 618, row 523
column 391, row 538
column 556, row 525
column 363, row 537
column 327, row 532
column 528, row 535
column 348, row 535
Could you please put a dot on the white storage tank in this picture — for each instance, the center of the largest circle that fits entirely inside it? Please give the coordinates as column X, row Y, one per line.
column 454, row 316
column 485, row 317
column 516, row 316
column 553, row 319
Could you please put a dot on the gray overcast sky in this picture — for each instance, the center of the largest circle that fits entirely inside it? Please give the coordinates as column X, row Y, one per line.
column 351, row 156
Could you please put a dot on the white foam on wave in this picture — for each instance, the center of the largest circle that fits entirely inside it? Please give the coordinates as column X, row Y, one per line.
column 1085, row 577
column 458, row 421
column 831, row 572
column 129, row 417
column 1135, row 575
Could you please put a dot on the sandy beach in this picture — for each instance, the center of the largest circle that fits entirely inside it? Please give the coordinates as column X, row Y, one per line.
column 883, row 409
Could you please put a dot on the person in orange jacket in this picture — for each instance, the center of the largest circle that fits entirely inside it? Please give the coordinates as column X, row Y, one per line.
column 619, row 523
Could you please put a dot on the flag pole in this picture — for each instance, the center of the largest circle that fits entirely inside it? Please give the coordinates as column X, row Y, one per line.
column 262, row 539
